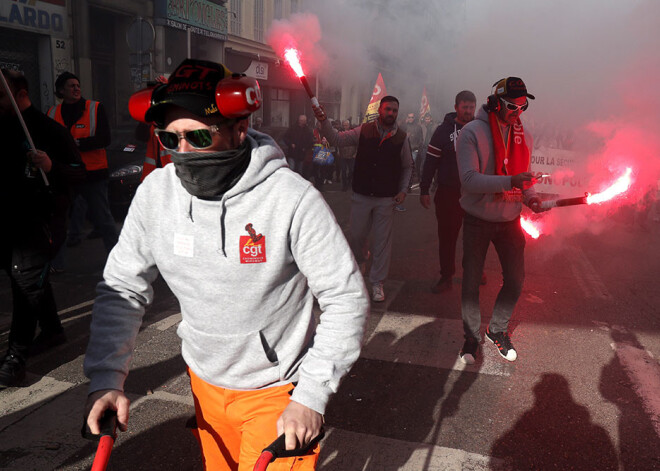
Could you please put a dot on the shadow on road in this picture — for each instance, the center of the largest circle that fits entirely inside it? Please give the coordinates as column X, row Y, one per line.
column 394, row 400
column 556, row 434
column 62, row 417
column 634, row 422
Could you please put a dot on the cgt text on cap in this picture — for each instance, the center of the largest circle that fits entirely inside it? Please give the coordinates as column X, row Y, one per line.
column 511, row 87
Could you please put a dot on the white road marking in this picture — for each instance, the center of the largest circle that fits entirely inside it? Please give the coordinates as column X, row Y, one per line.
column 76, row 307
column 43, row 390
column 166, row 323
column 69, row 319
column 165, row 396
column 416, row 339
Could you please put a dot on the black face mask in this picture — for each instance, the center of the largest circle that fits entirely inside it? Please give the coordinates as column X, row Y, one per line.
column 211, row 174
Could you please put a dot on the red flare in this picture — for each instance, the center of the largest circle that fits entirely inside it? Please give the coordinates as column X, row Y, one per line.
column 292, row 56
column 529, row 228
column 618, row 187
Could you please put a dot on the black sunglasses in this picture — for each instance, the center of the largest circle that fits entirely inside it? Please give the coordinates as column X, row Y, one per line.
column 198, row 138
column 513, row 107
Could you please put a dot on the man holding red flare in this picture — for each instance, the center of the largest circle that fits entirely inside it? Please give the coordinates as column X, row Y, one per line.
column 235, row 234
column 493, row 156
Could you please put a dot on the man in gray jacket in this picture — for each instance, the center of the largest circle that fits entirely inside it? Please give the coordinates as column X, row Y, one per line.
column 493, row 156
column 246, row 245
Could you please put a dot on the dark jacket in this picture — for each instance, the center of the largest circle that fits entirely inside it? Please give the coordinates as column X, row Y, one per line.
column 441, row 156
column 378, row 162
column 29, row 208
column 303, row 139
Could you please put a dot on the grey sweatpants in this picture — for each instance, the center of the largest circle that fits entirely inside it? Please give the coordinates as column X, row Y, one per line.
column 372, row 216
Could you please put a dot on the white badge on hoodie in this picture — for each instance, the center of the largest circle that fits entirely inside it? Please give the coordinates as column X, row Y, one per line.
column 183, row 245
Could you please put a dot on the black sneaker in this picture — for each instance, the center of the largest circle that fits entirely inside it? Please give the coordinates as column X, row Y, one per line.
column 46, row 341
column 469, row 351
column 12, row 371
column 503, row 344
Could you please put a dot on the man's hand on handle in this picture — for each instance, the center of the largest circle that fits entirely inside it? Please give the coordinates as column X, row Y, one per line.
column 99, row 401
column 40, row 160
column 300, row 424
column 425, row 200
column 535, row 205
column 319, row 112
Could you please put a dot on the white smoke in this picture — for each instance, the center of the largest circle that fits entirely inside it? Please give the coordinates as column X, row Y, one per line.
column 593, row 66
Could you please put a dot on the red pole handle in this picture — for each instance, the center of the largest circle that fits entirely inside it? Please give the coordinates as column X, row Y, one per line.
column 103, row 453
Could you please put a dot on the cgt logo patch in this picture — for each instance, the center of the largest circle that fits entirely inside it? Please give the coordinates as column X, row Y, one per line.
column 252, row 247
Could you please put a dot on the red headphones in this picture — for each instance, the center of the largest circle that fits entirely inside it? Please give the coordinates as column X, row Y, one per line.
column 236, row 96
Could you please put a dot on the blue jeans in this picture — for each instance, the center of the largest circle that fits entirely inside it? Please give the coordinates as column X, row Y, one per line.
column 509, row 241
column 95, row 194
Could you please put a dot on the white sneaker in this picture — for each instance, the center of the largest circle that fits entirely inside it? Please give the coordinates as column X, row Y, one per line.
column 377, row 292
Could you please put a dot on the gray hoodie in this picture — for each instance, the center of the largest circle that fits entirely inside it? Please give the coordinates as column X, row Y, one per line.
column 246, row 305
column 475, row 156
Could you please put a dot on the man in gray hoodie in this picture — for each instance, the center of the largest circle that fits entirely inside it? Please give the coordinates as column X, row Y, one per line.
column 246, row 245
column 493, row 156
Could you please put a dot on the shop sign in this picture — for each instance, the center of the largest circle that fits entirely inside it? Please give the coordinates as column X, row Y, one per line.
column 40, row 16
column 198, row 16
column 258, row 70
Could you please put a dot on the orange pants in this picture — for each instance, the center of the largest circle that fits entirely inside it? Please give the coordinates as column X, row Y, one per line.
column 235, row 426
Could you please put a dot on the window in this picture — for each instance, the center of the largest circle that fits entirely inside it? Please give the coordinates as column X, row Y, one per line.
column 259, row 20
column 279, row 107
column 235, row 17
column 278, row 9
column 294, row 6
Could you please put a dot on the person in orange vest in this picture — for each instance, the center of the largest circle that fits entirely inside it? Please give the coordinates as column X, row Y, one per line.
column 156, row 156
column 87, row 122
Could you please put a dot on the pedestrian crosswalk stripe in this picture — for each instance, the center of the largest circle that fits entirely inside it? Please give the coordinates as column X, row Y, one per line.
column 425, row 341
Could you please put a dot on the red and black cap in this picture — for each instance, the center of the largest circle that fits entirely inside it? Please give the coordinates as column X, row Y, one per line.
column 192, row 86
column 511, row 87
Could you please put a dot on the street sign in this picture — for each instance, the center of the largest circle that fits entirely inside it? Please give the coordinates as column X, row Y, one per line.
column 140, row 35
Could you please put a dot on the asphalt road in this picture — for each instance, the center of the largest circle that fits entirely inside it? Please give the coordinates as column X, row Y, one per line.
column 584, row 393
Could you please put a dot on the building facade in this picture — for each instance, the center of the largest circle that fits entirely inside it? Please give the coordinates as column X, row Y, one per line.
column 117, row 46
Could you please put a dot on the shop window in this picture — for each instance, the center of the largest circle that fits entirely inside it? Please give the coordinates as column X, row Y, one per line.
column 259, row 20
column 279, row 108
column 235, row 17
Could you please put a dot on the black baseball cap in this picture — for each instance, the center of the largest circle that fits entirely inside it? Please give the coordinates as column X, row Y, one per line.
column 511, row 87
column 192, row 87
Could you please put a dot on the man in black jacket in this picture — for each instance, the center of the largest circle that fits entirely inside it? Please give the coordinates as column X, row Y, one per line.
column 441, row 164
column 34, row 194
column 299, row 139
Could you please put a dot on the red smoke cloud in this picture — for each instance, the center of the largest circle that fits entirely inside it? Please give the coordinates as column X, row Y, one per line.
column 302, row 31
